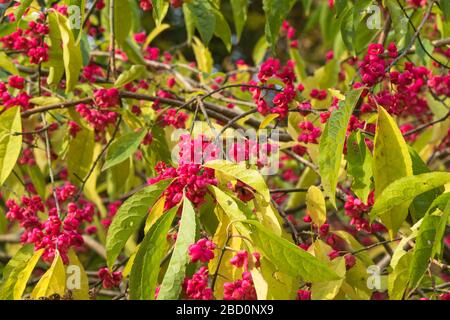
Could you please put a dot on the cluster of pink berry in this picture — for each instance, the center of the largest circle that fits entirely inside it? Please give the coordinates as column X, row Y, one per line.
column 190, row 176
column 21, row 99
column 99, row 118
column 29, row 41
column 110, row 279
column 309, row 133
column 196, row 287
column 202, row 250
column 374, row 64
column 355, row 209
column 54, row 233
column 280, row 102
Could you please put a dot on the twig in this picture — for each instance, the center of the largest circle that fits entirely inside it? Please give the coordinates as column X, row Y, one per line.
column 50, row 170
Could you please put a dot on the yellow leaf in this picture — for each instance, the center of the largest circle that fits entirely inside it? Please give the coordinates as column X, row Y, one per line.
column 239, row 171
column 308, row 178
column 268, row 119
column 155, row 213
column 155, row 32
column 7, row 64
column 53, row 281
column 315, row 204
column 77, row 279
column 391, row 161
column 227, row 271
column 329, row 289
column 274, row 285
column 10, row 145
column 24, row 275
column 202, row 56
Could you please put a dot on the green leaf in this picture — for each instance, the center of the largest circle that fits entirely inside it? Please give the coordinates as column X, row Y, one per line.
column 422, row 202
column 239, row 8
column 73, row 60
column 38, row 180
column 53, row 281
column 315, row 204
column 259, row 51
column 55, row 54
column 438, row 245
column 276, row 11
column 359, row 165
column 12, row 270
column 327, row 290
column 203, row 18
column 75, row 7
column 134, row 73
column 133, row 52
column 332, row 141
column 222, row 29
column 399, row 277
column 7, row 64
column 24, row 275
column 399, row 23
column 294, row 261
column 146, row 266
column 10, row 144
column 391, row 161
column 159, row 11
column 445, row 7
column 173, row 279
column 20, row 10
column 123, row 19
column 80, row 154
column 239, row 171
column 404, row 190
column 122, row 148
column 423, row 248
column 129, row 218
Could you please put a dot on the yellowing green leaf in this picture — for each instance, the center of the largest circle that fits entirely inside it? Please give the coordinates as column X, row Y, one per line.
column 80, row 155
column 173, row 279
column 404, row 190
column 77, row 279
column 239, row 171
column 268, row 119
column 73, row 60
column 227, row 271
column 315, row 204
column 391, row 161
column 10, row 144
column 53, row 281
column 295, row 261
column 24, row 275
column 331, row 144
column 136, row 72
column 359, row 165
column 202, row 56
column 7, row 64
column 154, row 33
column 12, row 270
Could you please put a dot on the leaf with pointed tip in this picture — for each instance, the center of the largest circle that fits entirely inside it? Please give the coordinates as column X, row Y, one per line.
column 295, row 261
column 129, row 218
column 332, row 141
column 173, row 279
column 146, row 265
